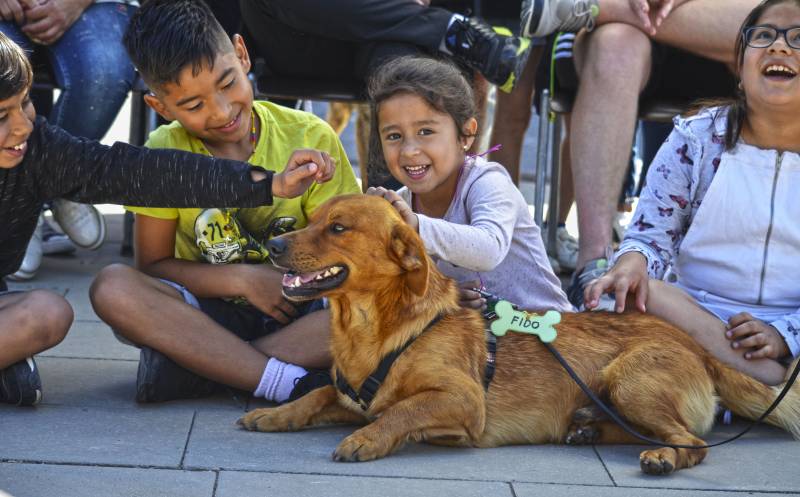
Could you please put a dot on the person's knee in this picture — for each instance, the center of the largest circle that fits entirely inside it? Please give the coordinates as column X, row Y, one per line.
column 45, row 318
column 615, row 51
column 112, row 288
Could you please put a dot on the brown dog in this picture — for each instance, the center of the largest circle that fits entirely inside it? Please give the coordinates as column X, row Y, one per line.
column 385, row 290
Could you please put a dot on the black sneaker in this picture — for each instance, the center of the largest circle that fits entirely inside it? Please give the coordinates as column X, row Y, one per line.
column 593, row 269
column 541, row 18
column 499, row 58
column 20, row 384
column 160, row 379
column 316, row 378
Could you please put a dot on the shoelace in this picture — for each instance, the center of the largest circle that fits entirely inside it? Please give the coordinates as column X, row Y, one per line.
column 580, row 10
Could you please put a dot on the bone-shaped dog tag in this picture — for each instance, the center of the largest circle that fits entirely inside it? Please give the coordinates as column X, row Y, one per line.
column 524, row 322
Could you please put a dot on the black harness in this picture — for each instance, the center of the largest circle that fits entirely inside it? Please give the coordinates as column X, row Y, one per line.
column 369, row 388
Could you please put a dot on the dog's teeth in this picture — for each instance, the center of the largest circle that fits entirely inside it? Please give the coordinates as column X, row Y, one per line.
column 327, row 273
column 335, row 270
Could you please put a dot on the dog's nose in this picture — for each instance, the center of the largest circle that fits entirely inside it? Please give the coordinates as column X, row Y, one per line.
column 277, row 247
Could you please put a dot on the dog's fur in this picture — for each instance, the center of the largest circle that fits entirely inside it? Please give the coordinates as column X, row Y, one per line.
column 655, row 376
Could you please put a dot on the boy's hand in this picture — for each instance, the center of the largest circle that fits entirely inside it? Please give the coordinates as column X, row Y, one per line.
column 651, row 13
column 264, row 290
column 398, row 203
column 469, row 298
column 304, row 167
column 762, row 340
column 629, row 274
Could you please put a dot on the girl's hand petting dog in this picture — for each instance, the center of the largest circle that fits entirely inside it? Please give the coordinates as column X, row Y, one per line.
column 758, row 339
column 303, row 168
column 469, row 298
column 398, row 203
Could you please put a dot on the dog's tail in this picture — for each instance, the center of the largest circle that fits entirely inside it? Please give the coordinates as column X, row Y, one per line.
column 749, row 398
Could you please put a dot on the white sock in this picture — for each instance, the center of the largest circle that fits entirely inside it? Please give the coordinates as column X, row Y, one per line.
column 278, row 380
column 443, row 46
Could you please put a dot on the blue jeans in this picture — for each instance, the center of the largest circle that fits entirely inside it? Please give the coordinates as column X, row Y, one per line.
column 90, row 66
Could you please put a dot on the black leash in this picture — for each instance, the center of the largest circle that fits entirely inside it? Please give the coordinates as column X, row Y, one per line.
column 617, row 419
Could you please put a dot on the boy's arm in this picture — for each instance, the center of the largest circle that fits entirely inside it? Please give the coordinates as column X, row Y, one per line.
column 260, row 284
column 88, row 171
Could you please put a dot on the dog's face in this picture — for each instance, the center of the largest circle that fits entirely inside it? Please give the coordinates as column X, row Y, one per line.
column 353, row 243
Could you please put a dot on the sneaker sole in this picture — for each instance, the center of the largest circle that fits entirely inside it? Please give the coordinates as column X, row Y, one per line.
column 522, row 59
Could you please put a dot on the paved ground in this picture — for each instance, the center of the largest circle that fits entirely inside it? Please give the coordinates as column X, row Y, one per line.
column 89, row 438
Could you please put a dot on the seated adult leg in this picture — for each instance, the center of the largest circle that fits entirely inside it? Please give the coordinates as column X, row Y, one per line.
column 613, row 63
column 94, row 74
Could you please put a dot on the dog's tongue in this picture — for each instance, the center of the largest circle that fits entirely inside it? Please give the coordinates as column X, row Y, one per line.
column 304, row 278
column 307, row 277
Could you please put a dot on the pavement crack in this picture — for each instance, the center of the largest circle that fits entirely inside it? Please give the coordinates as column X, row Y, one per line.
column 188, row 436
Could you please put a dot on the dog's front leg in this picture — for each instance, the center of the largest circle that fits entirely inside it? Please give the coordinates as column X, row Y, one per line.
column 317, row 407
column 424, row 416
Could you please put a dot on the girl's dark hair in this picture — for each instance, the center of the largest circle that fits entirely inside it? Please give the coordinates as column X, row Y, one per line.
column 439, row 83
column 165, row 36
column 738, row 104
column 16, row 74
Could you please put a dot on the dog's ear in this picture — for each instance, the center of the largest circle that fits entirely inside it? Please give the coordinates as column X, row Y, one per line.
column 409, row 252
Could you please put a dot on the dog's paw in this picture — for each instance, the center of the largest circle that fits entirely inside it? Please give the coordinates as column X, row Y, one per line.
column 657, row 462
column 582, row 435
column 268, row 419
column 358, row 448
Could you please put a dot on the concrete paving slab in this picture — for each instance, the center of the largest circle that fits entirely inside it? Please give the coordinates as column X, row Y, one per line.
column 90, row 435
column 87, row 382
column 48, row 480
column 766, row 460
column 92, row 340
column 112, row 383
column 535, row 490
column 217, row 443
column 245, row 484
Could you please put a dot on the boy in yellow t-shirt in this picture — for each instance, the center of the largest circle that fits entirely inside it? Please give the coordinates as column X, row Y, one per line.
column 205, row 306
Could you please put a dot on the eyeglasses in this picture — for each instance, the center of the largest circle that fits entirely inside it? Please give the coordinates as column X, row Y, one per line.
column 765, row 36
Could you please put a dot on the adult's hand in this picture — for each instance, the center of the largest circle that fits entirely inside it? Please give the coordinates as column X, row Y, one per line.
column 48, row 20
column 12, row 10
column 651, row 13
column 303, row 168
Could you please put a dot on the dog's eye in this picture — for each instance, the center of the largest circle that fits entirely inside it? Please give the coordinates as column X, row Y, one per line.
column 337, row 228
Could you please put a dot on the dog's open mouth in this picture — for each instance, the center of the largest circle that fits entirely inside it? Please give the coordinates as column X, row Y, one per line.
column 309, row 284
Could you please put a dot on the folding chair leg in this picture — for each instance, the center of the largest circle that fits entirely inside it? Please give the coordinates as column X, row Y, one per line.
column 542, row 147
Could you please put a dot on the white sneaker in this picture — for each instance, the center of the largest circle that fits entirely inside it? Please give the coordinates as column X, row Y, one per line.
column 544, row 17
column 554, row 264
column 54, row 242
column 33, row 256
column 566, row 249
column 82, row 223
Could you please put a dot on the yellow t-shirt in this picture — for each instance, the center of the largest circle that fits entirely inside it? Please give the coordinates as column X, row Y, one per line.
column 221, row 236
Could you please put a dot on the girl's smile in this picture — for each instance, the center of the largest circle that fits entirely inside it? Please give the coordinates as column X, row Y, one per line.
column 422, row 147
column 770, row 74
